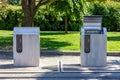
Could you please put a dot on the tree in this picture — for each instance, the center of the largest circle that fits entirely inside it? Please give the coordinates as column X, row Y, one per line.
column 2, row 3
column 70, row 8
column 30, row 8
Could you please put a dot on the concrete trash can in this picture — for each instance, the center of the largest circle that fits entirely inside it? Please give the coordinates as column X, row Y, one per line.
column 26, row 46
column 93, row 42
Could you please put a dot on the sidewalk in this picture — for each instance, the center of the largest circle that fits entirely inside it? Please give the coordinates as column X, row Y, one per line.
column 60, row 66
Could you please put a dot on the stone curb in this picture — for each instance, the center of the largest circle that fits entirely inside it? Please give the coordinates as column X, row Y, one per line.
column 74, row 53
column 56, row 52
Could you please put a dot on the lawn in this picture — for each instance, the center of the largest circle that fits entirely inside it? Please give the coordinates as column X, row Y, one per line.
column 57, row 40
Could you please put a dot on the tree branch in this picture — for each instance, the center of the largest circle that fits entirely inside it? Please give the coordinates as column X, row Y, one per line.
column 41, row 2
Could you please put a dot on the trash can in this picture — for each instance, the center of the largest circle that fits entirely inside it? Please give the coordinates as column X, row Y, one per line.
column 26, row 46
column 93, row 42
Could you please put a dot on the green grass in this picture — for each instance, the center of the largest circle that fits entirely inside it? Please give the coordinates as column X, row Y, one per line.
column 6, row 40
column 113, row 43
column 60, row 41
column 57, row 40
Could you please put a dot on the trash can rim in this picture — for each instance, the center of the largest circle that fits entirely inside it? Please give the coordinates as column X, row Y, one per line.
column 26, row 30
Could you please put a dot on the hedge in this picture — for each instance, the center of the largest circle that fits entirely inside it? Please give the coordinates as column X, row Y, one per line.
column 110, row 12
column 12, row 16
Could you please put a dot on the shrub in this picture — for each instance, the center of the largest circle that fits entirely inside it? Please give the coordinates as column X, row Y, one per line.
column 74, row 26
column 50, row 21
column 11, row 16
column 110, row 12
column 14, row 2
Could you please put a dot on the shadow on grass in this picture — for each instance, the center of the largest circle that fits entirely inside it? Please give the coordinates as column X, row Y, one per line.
column 44, row 33
column 50, row 44
column 6, row 43
column 114, row 38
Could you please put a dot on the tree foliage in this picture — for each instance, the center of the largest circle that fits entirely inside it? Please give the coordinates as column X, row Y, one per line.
column 3, row 3
column 71, row 9
column 13, row 2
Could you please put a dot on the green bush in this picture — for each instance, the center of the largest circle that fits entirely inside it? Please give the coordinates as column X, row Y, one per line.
column 14, row 2
column 73, row 26
column 110, row 12
column 52, row 22
column 10, row 17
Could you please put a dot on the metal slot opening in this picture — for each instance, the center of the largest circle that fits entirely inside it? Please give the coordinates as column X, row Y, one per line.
column 87, row 43
column 19, row 43
column 93, row 32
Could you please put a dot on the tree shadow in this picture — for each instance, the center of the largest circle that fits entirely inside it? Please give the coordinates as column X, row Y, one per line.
column 6, row 66
column 51, row 44
column 114, row 38
column 74, row 72
column 44, row 33
column 6, row 55
column 6, row 43
column 71, row 72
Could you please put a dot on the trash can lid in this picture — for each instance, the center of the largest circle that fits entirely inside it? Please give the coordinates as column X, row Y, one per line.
column 92, row 21
column 26, row 30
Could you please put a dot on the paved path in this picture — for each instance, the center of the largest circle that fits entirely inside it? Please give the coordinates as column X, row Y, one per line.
column 57, row 67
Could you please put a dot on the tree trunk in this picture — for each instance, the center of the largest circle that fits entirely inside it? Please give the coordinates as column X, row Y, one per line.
column 66, row 24
column 28, row 19
column 29, row 11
